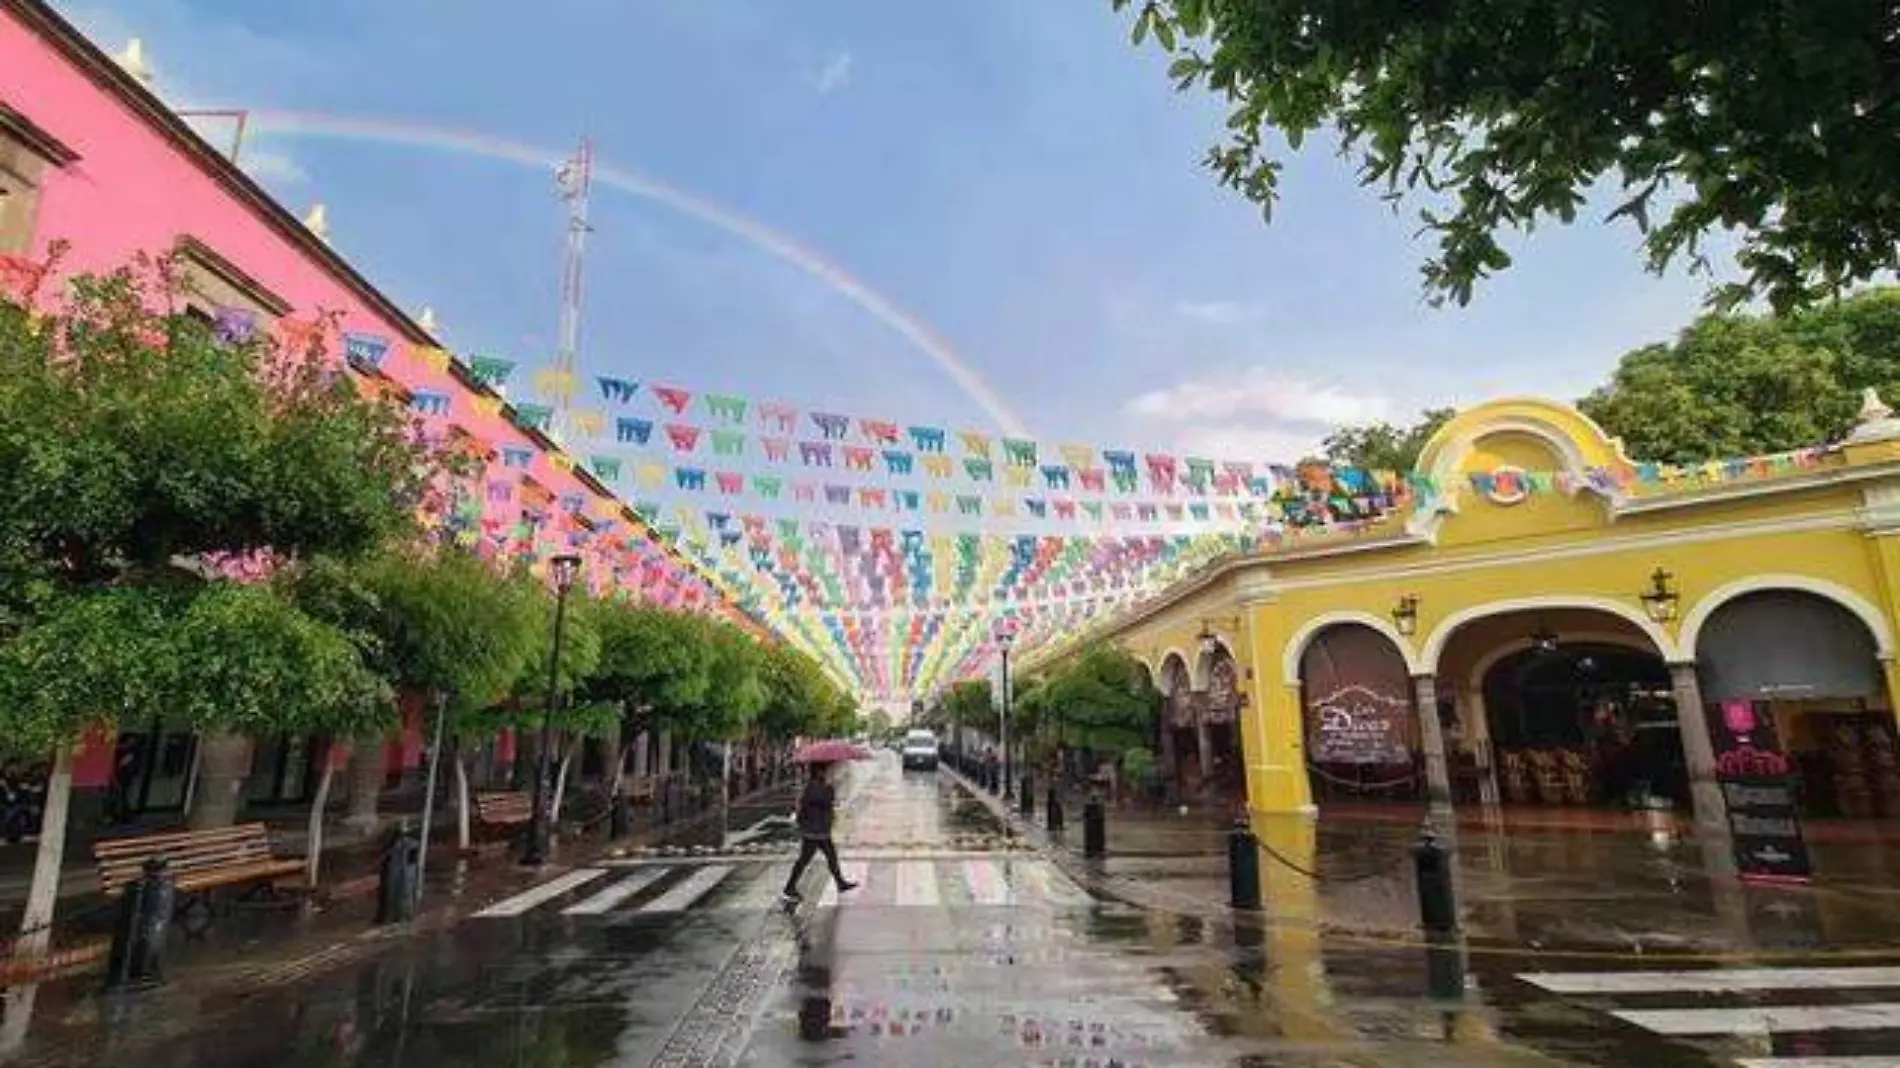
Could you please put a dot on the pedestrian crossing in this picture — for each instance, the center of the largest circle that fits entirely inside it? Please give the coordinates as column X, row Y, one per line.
column 1797, row 1017
column 734, row 884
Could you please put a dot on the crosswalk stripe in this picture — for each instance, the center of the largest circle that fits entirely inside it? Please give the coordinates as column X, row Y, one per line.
column 1764, row 1020
column 917, row 884
column 1875, row 1061
column 615, row 894
column 987, row 885
column 691, row 889
column 547, row 891
column 1713, row 981
column 856, row 871
column 1049, row 884
column 761, row 891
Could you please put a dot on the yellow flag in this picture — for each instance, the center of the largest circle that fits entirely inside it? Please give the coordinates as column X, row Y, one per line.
column 436, row 359
column 587, row 424
column 561, row 460
column 651, row 476
column 975, row 444
column 554, row 383
column 485, row 404
column 1016, row 476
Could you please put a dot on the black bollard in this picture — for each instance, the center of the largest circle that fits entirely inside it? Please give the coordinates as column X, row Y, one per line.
column 138, row 939
column 1052, row 810
column 1027, row 804
column 1437, row 902
column 1243, row 867
column 619, row 818
column 1094, row 828
column 396, row 887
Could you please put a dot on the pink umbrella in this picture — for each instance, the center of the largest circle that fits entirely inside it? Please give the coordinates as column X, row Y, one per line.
column 830, row 751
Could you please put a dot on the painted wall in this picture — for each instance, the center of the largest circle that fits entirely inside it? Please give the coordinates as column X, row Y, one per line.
column 134, row 190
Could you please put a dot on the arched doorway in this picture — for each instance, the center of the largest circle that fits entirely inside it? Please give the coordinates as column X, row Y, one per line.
column 1585, row 723
column 1217, row 726
column 1560, row 706
column 1180, row 750
column 1798, row 675
column 1359, row 720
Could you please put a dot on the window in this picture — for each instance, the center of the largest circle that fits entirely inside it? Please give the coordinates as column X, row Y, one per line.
column 26, row 153
column 212, row 283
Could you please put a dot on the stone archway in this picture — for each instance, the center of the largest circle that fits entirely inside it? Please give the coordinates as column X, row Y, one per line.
column 1796, row 674
column 1180, row 751
column 1555, row 702
column 1362, row 738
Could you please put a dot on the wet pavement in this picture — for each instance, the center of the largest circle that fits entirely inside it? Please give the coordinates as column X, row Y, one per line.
column 964, row 947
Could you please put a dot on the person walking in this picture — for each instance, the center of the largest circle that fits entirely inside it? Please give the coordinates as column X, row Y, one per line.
column 815, row 806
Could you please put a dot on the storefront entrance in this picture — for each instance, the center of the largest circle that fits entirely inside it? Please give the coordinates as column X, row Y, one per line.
column 1584, row 725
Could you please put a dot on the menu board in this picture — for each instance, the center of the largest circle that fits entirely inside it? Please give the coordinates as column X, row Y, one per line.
column 1765, row 822
column 1359, row 725
column 1760, row 793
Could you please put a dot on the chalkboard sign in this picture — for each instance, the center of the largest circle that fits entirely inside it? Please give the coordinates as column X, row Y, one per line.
column 1765, row 823
column 1358, row 725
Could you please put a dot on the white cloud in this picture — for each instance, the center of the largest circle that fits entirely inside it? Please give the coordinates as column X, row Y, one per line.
column 1216, row 312
column 834, row 75
column 1258, row 394
column 1259, row 444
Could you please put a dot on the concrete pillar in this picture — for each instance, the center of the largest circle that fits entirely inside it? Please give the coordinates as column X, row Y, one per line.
column 1432, row 739
column 1478, row 736
column 1698, row 751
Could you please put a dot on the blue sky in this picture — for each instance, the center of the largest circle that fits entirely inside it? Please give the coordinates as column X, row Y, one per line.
column 1011, row 172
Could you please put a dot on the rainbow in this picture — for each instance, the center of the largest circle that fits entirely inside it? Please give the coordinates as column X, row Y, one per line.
column 448, row 139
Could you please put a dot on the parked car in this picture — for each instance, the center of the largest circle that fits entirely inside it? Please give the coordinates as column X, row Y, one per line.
column 920, row 751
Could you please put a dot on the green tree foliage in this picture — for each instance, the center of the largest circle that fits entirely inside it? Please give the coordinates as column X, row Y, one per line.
column 134, row 442
column 738, row 690
column 431, row 620
column 1741, row 385
column 1775, row 121
column 1098, row 699
column 971, row 705
column 1383, row 447
column 652, row 661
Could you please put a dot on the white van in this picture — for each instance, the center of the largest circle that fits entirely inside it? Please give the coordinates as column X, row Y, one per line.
column 920, row 750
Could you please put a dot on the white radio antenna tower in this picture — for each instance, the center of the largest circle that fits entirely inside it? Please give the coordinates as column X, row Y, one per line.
column 574, row 184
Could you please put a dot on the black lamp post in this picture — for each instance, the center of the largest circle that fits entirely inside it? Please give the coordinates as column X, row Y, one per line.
column 562, row 569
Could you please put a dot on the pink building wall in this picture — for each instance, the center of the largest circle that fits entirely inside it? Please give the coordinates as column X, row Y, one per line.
column 133, row 189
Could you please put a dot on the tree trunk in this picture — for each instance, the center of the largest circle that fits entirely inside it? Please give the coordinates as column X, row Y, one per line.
column 560, row 780
column 462, row 800
column 313, row 864
column 367, row 773
column 36, row 926
column 221, row 774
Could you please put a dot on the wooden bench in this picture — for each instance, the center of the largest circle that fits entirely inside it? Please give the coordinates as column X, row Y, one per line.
column 504, row 810
column 199, row 862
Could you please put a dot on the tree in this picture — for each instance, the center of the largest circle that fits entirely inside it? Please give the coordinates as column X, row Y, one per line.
column 134, row 442
column 1383, row 447
column 1774, row 121
column 971, row 706
column 1099, row 699
column 1733, row 386
column 433, row 621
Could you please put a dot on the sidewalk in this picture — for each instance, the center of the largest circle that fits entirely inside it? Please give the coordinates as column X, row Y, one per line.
column 1582, row 888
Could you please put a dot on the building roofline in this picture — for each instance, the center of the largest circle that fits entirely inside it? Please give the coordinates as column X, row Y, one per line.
column 105, row 72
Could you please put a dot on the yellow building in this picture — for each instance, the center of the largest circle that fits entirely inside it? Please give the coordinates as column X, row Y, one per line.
column 1560, row 608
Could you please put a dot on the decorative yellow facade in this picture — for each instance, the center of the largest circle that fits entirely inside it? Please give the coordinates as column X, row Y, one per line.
column 1580, row 554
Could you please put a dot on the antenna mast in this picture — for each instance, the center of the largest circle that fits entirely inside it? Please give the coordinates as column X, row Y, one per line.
column 574, row 184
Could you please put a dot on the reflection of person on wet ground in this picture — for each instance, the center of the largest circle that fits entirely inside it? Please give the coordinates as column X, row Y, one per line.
column 815, row 952
column 815, row 807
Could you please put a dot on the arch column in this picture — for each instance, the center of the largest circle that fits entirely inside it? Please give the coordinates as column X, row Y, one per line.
column 1698, row 750
column 1431, row 734
column 1272, row 718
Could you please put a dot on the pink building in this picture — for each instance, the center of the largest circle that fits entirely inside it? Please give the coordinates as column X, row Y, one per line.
column 91, row 158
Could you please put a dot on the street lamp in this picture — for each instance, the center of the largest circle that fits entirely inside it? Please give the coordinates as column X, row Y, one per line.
column 562, row 569
column 1660, row 600
column 1004, row 637
column 1405, row 616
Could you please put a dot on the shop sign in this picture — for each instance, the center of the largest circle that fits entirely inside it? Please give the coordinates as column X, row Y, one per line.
column 1765, row 823
column 1359, row 725
column 1758, row 789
